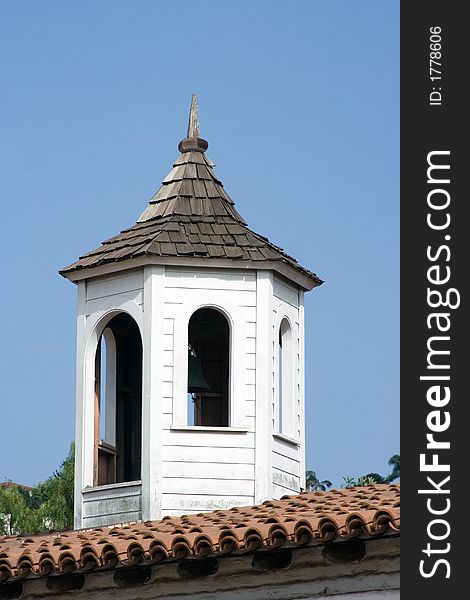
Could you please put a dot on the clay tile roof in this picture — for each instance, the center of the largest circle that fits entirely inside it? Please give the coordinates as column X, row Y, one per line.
column 310, row 518
column 191, row 215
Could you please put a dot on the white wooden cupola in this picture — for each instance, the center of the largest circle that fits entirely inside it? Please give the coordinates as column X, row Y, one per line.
column 190, row 358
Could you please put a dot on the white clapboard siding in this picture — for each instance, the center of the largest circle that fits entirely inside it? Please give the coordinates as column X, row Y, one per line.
column 167, row 373
column 210, row 279
column 209, row 439
column 167, row 389
column 113, row 301
column 209, row 470
column 250, row 345
column 250, row 376
column 287, row 305
column 102, row 505
column 167, row 404
column 167, row 420
column 175, row 504
column 286, row 448
column 168, row 341
column 250, row 361
column 250, row 408
column 112, row 490
column 250, row 422
column 244, row 297
column 250, row 391
column 250, row 313
column 285, row 292
column 111, row 285
column 168, row 358
column 279, row 491
column 286, row 464
column 168, row 326
column 286, row 480
column 250, row 328
column 98, row 508
column 211, row 487
column 171, row 310
column 112, row 519
column 209, row 454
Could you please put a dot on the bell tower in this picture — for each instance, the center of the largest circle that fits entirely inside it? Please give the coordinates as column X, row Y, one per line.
column 190, row 357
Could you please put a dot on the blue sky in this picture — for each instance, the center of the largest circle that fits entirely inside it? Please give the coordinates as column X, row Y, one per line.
column 300, row 104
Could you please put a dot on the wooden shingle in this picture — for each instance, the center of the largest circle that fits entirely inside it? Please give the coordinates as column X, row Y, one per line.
column 205, row 228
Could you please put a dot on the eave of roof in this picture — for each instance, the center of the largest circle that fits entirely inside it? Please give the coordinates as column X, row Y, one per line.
column 166, row 240
column 310, row 518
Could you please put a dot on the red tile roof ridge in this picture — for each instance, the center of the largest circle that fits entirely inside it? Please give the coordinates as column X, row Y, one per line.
column 309, row 518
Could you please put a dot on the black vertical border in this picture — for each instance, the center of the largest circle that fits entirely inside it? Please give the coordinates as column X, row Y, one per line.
column 426, row 128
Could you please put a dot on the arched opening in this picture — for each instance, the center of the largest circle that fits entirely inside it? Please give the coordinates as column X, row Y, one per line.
column 118, row 403
column 285, row 379
column 208, row 368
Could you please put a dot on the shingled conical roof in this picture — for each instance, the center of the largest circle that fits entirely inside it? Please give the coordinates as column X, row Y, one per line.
column 191, row 215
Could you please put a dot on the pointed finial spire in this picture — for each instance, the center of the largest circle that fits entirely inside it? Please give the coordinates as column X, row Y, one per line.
column 193, row 143
column 193, row 123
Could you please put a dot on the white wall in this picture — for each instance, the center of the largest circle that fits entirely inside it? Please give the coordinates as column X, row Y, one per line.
column 287, row 444
column 99, row 300
column 118, row 503
column 114, row 290
column 185, row 468
column 208, row 468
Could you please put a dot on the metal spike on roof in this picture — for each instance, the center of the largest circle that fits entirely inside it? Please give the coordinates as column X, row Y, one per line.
column 193, row 123
column 193, row 142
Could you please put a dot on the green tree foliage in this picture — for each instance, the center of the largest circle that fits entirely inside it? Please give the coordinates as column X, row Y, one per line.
column 16, row 516
column 49, row 505
column 313, row 484
column 376, row 477
column 372, row 478
column 393, row 462
column 361, row 481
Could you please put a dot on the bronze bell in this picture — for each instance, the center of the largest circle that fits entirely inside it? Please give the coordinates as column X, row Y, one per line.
column 196, row 381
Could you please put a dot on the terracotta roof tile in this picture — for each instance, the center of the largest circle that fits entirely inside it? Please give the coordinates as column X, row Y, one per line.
column 310, row 518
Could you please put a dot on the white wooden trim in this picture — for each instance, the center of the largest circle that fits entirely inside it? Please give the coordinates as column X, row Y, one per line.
column 286, row 438
column 99, row 319
column 152, row 392
column 94, row 327
column 302, row 386
column 220, row 301
column 288, row 378
column 278, row 266
column 263, row 458
column 115, row 284
column 110, row 409
column 207, row 429
column 80, row 404
column 111, row 486
column 291, row 314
